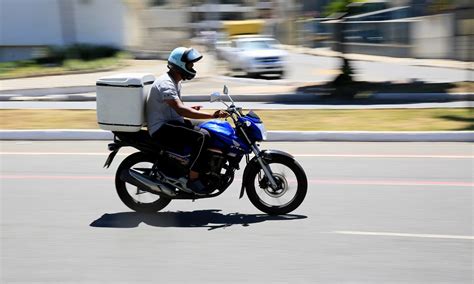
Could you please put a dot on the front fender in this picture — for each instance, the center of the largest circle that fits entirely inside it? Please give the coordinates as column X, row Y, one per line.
column 266, row 155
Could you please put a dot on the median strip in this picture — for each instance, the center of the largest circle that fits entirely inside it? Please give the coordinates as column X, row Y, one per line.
column 420, row 125
column 437, row 119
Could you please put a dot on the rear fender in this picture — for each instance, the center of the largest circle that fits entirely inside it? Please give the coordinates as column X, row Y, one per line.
column 114, row 148
column 266, row 155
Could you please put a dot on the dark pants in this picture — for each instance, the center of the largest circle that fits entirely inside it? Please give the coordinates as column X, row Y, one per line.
column 179, row 136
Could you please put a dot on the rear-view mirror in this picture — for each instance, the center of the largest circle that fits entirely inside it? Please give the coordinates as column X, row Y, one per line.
column 216, row 96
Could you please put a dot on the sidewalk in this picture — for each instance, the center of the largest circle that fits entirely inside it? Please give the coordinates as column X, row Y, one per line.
column 156, row 67
column 79, row 80
column 444, row 63
column 81, row 87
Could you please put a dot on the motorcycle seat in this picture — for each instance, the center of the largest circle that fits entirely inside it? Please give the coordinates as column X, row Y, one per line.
column 143, row 139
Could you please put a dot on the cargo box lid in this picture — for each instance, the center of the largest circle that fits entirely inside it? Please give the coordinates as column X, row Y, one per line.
column 127, row 80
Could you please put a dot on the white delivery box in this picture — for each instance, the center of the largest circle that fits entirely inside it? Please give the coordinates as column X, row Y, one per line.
column 121, row 101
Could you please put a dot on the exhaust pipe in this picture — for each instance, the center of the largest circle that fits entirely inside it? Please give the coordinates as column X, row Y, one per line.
column 139, row 180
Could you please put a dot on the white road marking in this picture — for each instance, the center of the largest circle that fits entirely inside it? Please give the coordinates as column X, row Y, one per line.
column 386, row 156
column 407, row 156
column 105, row 153
column 391, row 182
column 389, row 234
column 54, row 177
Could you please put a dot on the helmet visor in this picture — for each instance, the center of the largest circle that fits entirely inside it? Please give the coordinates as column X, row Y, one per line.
column 191, row 55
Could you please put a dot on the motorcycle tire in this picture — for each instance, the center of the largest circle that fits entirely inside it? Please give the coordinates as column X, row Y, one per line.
column 255, row 191
column 124, row 193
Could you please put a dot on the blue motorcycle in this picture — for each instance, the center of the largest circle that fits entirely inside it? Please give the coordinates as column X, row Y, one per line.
column 147, row 181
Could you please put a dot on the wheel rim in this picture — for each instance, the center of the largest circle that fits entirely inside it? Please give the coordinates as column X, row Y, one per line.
column 287, row 186
column 138, row 195
column 282, row 186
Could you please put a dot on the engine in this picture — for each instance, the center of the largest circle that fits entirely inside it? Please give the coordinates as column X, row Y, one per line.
column 216, row 163
column 220, row 171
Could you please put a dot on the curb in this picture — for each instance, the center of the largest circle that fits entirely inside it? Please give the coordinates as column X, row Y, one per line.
column 38, row 92
column 295, row 97
column 300, row 97
column 359, row 136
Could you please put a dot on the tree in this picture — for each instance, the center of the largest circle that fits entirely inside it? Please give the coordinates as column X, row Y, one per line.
column 337, row 6
column 343, row 84
column 342, row 6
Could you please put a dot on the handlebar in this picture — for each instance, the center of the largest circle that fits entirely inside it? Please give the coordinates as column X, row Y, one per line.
column 233, row 109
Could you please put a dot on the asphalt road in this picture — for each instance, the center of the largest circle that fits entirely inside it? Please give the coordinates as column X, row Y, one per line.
column 302, row 69
column 308, row 68
column 374, row 213
column 324, row 68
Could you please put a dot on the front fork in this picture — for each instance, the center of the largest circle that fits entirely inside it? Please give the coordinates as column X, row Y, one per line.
column 266, row 169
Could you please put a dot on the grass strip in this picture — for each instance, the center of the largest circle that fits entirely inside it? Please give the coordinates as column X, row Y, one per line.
column 321, row 120
column 21, row 69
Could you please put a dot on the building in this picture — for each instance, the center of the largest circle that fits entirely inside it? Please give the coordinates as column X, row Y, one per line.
column 27, row 26
column 148, row 28
column 403, row 28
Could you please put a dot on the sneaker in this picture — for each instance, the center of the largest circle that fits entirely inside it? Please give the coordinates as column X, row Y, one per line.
column 197, row 187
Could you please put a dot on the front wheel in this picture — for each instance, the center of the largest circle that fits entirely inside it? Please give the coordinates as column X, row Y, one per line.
column 290, row 178
column 132, row 196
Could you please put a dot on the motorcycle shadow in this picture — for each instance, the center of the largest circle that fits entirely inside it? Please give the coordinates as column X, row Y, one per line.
column 211, row 219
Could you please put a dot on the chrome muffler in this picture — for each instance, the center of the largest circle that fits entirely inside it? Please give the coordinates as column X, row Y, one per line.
column 142, row 181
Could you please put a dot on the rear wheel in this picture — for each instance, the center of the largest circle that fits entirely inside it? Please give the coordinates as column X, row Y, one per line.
column 132, row 196
column 290, row 178
column 252, row 75
column 281, row 74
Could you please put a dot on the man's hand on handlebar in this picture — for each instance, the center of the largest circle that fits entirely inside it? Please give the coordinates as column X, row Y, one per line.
column 220, row 114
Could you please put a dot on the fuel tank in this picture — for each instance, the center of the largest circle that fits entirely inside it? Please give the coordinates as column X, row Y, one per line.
column 223, row 136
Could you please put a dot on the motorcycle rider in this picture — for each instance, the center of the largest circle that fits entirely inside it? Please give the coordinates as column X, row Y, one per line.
column 166, row 112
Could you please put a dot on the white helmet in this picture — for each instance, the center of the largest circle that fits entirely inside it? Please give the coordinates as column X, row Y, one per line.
column 180, row 57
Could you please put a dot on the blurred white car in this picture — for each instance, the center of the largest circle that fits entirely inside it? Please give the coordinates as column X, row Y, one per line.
column 254, row 55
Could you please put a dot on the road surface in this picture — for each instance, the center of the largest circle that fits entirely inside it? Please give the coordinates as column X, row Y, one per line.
column 308, row 68
column 374, row 213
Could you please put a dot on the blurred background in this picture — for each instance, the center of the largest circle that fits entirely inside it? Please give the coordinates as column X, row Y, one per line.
column 435, row 29
column 343, row 48
column 292, row 51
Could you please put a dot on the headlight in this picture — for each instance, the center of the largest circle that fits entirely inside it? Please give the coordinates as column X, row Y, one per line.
column 251, row 62
column 262, row 130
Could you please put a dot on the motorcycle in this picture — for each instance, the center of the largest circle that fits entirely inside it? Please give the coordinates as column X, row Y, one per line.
column 148, row 180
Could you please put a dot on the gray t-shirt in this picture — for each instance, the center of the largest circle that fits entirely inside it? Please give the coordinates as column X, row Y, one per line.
column 158, row 112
